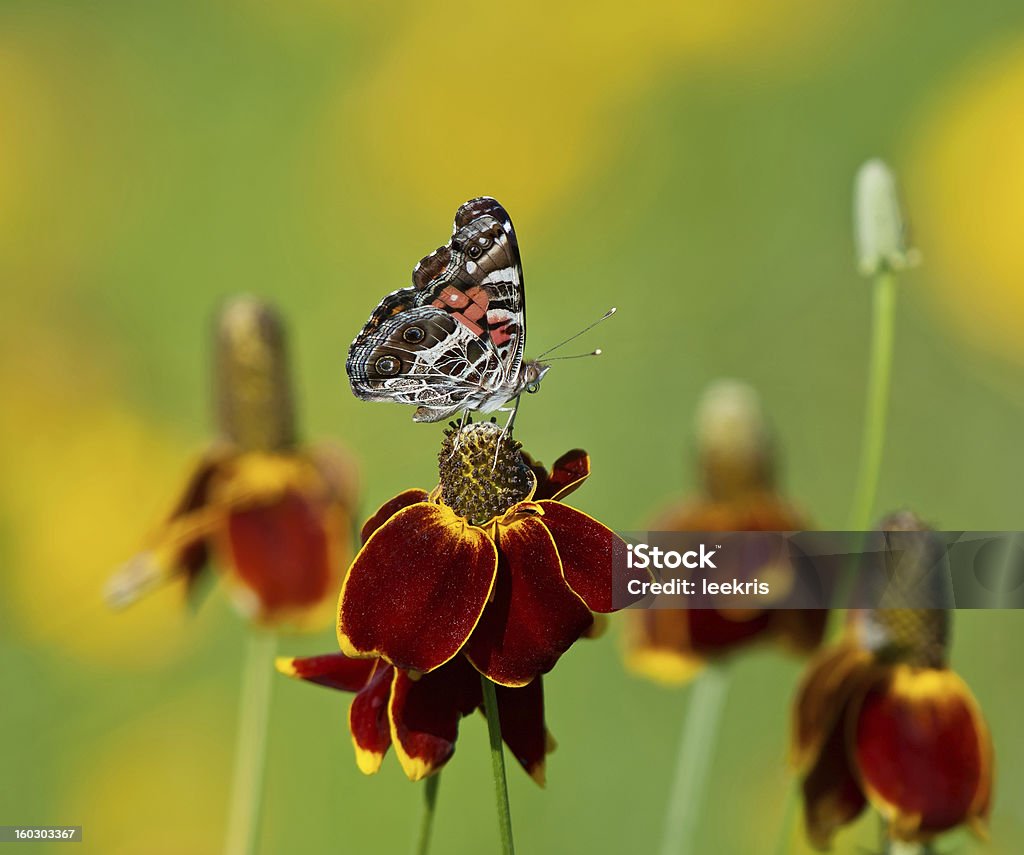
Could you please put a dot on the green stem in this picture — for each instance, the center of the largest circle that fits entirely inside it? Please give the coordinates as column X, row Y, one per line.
column 783, row 845
column 696, row 748
column 883, row 331
column 429, row 806
column 498, row 766
column 879, row 375
column 251, row 746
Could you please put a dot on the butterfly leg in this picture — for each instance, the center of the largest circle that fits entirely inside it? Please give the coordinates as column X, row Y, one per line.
column 458, row 434
column 505, row 431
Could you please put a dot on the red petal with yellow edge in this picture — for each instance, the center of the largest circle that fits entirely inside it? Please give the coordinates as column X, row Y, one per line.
column 587, row 550
column 389, row 509
column 521, row 713
column 417, row 588
column 565, row 477
column 368, row 719
column 832, row 796
column 334, row 670
column 533, row 616
column 923, row 751
column 826, row 689
column 425, row 715
column 280, row 552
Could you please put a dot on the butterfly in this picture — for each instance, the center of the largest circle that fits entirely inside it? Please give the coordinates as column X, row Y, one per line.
column 454, row 341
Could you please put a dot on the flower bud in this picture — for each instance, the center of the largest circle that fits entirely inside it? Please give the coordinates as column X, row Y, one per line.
column 879, row 229
column 253, row 388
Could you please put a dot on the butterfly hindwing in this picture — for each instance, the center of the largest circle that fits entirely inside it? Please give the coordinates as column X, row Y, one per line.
column 455, row 339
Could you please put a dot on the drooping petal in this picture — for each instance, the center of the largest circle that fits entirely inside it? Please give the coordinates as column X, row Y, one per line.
column 832, row 795
column 280, row 556
column 193, row 555
column 181, row 546
column 425, row 713
column 334, row 670
column 658, row 646
column 368, row 719
column 923, row 752
column 417, row 588
column 565, row 477
column 521, row 713
column 533, row 616
column 588, row 551
column 826, row 689
column 389, row 509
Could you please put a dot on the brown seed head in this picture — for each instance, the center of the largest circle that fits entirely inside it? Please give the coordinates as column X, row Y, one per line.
column 482, row 471
column 253, row 388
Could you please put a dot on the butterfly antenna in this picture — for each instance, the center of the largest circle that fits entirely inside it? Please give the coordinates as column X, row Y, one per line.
column 603, row 317
column 596, row 352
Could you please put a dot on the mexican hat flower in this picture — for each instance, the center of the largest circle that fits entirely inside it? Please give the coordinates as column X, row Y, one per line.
column 737, row 462
column 490, row 574
column 271, row 515
column 881, row 720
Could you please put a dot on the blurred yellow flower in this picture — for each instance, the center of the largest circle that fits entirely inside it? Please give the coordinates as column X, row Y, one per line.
column 966, row 192
column 80, row 475
column 523, row 101
column 156, row 784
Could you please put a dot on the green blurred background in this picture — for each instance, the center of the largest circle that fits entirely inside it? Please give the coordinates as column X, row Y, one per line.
column 690, row 163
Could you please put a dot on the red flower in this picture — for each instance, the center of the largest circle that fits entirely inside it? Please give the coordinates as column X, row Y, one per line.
column 737, row 461
column 491, row 564
column 273, row 517
column 881, row 720
column 490, row 574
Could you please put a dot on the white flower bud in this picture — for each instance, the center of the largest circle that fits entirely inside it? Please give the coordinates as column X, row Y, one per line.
column 879, row 228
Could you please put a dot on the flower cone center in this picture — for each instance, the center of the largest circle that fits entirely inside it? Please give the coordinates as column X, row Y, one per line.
column 482, row 472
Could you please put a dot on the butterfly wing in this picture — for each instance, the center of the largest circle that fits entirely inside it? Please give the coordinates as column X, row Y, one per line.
column 422, row 356
column 456, row 337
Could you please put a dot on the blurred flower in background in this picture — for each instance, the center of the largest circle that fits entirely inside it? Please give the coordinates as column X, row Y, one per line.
column 969, row 157
column 273, row 517
column 881, row 719
column 490, row 572
column 738, row 466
